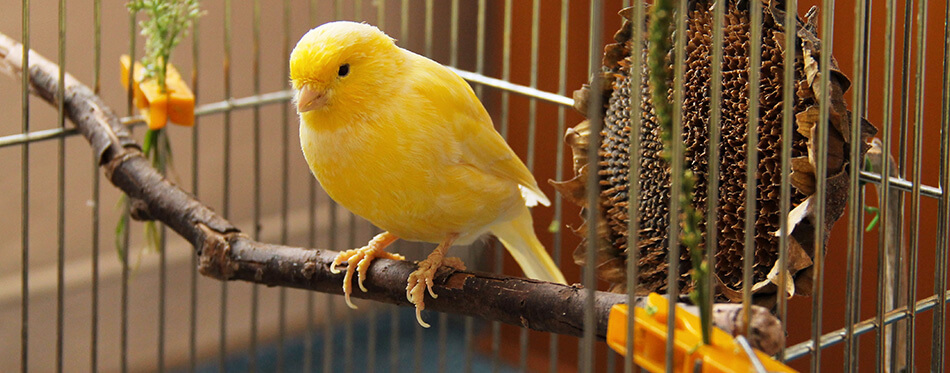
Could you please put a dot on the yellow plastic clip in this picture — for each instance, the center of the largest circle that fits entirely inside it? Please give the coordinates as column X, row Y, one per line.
column 723, row 355
column 177, row 103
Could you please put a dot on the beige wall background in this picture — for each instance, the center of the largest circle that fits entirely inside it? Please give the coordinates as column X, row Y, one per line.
column 80, row 173
column 143, row 289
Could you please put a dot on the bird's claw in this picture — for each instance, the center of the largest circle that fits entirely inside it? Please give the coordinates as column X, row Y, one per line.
column 415, row 294
column 363, row 257
column 419, row 281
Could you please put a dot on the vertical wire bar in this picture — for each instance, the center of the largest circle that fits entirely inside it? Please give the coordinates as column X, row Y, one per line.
column 348, row 316
column 480, row 45
column 902, row 172
column 350, row 243
column 595, row 117
column 162, row 280
column 394, row 359
column 453, row 61
column 256, row 72
column 285, row 188
column 943, row 248
column 883, row 204
column 430, row 9
column 532, row 138
column 124, row 308
column 381, row 14
column 193, row 282
column 394, row 340
column 914, row 229
column 676, row 177
column 443, row 318
column 905, row 87
column 417, row 352
column 308, row 365
column 827, row 32
column 61, row 190
column 713, row 163
column 373, row 337
column 938, row 330
column 495, row 325
column 429, row 19
column 912, row 274
column 859, row 259
column 559, row 168
column 499, row 256
column 328, row 341
column 506, row 68
column 328, row 329
column 856, row 213
column 454, row 34
column 611, row 360
column 25, row 193
column 533, row 82
column 226, row 208
column 788, row 106
column 633, row 175
column 480, row 69
column 94, row 321
column 162, row 285
column 752, row 159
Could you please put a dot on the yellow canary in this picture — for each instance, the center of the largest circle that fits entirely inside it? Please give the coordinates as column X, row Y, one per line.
column 403, row 142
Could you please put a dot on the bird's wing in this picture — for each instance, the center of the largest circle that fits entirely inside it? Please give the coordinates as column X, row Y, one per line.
column 484, row 148
column 480, row 145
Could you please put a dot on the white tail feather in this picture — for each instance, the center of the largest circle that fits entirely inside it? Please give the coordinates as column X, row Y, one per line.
column 533, row 198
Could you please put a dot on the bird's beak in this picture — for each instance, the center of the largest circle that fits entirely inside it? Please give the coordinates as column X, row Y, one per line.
column 309, row 99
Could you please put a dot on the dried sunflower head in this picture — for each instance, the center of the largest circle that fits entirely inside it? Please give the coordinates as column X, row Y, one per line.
column 654, row 177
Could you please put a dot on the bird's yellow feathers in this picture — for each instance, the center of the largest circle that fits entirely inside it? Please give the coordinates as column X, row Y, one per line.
column 481, row 145
column 320, row 53
column 404, row 142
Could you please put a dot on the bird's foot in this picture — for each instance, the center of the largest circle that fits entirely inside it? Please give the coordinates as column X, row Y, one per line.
column 421, row 278
column 419, row 281
column 362, row 257
column 454, row 262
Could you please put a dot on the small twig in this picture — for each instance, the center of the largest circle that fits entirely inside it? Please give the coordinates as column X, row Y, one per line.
column 227, row 254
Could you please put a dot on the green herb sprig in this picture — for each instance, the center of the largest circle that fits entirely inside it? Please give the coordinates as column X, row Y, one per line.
column 661, row 36
column 166, row 23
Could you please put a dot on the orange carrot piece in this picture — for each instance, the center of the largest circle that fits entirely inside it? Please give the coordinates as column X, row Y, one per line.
column 176, row 103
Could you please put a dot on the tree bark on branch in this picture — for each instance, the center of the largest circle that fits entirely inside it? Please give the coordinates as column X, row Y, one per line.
column 225, row 253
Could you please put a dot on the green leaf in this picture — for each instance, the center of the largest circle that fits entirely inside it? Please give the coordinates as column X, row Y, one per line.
column 877, row 216
column 153, row 240
column 122, row 226
column 651, row 309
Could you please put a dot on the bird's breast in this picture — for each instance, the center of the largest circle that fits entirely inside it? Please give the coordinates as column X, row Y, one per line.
column 406, row 182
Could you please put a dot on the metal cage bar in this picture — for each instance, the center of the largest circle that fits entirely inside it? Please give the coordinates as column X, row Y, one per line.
column 633, row 207
column 193, row 280
column 885, row 322
column 595, row 118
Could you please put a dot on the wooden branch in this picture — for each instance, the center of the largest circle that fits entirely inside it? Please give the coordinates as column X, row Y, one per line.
column 226, row 253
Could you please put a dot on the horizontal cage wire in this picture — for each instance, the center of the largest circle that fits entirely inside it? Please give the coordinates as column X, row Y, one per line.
column 239, row 202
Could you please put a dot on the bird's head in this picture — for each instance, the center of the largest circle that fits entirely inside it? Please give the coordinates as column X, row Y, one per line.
column 342, row 63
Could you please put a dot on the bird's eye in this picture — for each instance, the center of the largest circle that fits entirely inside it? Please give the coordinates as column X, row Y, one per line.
column 344, row 69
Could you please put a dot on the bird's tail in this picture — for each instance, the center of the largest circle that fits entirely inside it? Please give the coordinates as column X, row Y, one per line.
column 518, row 237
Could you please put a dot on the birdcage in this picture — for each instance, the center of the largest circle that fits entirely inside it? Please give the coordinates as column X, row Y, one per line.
column 235, row 284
